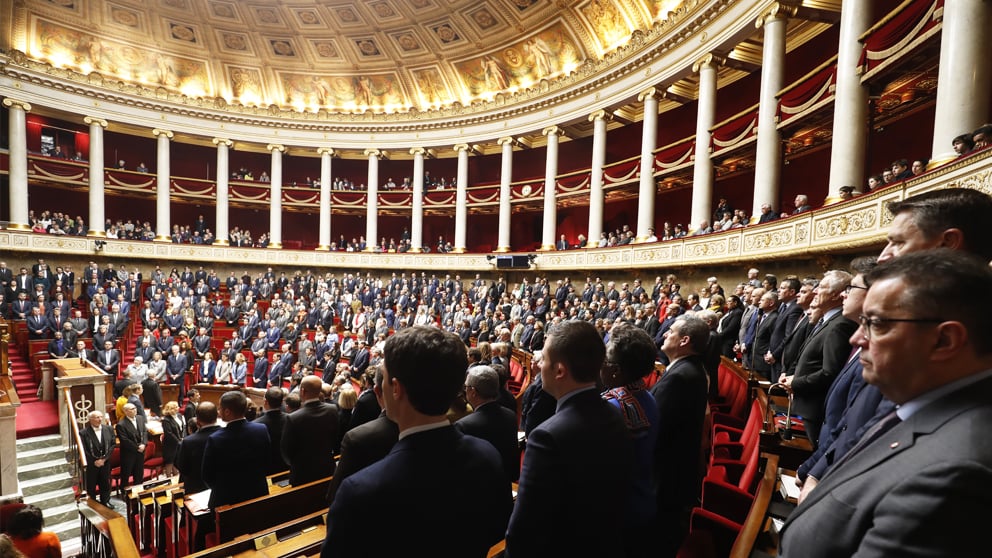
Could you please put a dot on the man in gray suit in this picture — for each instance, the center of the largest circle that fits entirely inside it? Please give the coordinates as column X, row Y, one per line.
column 919, row 482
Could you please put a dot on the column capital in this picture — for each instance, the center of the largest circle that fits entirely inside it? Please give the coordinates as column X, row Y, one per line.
column 418, row 151
column 222, row 141
column 8, row 102
column 551, row 131
column 328, row 150
column 777, row 11
column 91, row 120
column 461, row 147
column 600, row 115
column 161, row 132
column 650, row 92
column 505, row 140
column 373, row 153
column 276, row 147
column 710, row 60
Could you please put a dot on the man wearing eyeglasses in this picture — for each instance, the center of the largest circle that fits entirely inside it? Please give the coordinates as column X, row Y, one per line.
column 918, row 482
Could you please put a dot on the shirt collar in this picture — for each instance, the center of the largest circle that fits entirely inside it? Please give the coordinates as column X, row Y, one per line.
column 910, row 407
column 424, row 428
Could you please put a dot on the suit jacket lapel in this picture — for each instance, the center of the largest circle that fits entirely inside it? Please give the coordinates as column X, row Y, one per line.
column 902, row 437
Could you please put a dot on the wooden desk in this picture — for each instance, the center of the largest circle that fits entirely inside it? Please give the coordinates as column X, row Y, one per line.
column 90, row 389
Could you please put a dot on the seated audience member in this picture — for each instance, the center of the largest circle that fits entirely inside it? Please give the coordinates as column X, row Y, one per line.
column 26, row 531
column 629, row 358
column 919, row 166
column 918, row 481
column 558, row 511
column 802, row 204
column 233, row 466
column 430, row 465
column 846, row 192
column 963, row 144
column 900, row 169
column 366, row 443
column 982, row 136
column 874, row 182
column 681, row 396
column 489, row 420
column 767, row 215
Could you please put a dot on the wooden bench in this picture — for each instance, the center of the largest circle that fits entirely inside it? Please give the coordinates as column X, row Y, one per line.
column 302, row 536
column 257, row 514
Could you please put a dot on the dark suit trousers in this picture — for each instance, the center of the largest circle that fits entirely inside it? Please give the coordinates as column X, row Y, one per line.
column 99, row 477
column 132, row 468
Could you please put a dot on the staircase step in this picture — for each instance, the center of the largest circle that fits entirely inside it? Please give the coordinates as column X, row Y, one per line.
column 68, row 533
column 51, row 498
column 38, row 485
column 48, row 440
column 40, row 454
column 61, row 514
column 43, row 468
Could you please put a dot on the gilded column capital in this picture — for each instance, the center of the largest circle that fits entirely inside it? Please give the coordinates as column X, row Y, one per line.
column 650, row 92
column 91, row 120
column 710, row 60
column 328, row 150
column 600, row 115
column 418, row 151
column 505, row 140
column 222, row 141
column 777, row 11
column 276, row 147
column 159, row 132
column 373, row 153
column 12, row 103
column 551, row 131
column 461, row 147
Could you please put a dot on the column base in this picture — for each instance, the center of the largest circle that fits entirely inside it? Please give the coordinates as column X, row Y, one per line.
column 415, row 251
column 18, row 227
column 323, row 248
column 941, row 159
column 224, row 242
column 160, row 238
column 502, row 249
column 275, row 246
column 459, row 251
column 96, row 234
column 547, row 248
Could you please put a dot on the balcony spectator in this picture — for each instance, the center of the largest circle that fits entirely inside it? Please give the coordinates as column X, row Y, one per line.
column 142, row 167
column 900, row 169
column 264, row 177
column 963, row 144
column 874, row 182
column 703, row 228
column 846, row 192
column 121, row 165
column 767, row 215
column 982, row 136
column 919, row 166
column 888, row 177
column 802, row 203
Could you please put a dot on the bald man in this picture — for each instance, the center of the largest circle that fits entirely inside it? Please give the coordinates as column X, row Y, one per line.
column 310, row 435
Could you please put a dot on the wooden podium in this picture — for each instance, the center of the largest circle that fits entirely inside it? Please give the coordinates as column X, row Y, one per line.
column 90, row 389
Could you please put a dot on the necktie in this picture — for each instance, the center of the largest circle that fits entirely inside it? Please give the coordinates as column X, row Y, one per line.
column 886, row 423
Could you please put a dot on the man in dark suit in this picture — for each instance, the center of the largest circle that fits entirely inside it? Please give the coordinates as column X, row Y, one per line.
column 765, row 327
column 58, row 347
column 432, row 463
column 98, row 443
column 921, row 478
column 365, row 444
column 558, row 511
column 133, row 435
column 310, row 436
column 360, row 362
column 81, row 352
column 175, row 368
column 189, row 462
column 789, row 314
column 233, row 463
column 491, row 421
column 109, row 359
column 282, row 367
column 823, row 355
column 681, row 395
column 274, row 419
column 37, row 324
column 730, row 325
column 368, row 406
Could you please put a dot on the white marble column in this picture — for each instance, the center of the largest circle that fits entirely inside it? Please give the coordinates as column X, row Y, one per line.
column 324, row 234
column 222, row 232
column 372, row 206
column 550, row 189
column 768, row 159
column 163, row 227
column 596, row 197
column 461, row 198
column 275, row 195
column 647, row 188
column 702, row 170
column 97, row 225
column 505, row 178
column 18, row 194
column 850, row 133
column 417, row 217
column 963, row 80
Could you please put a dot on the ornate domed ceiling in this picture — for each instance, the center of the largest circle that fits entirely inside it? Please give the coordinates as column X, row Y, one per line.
column 336, row 56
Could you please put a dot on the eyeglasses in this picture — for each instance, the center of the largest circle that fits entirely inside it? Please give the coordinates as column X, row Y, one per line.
column 867, row 323
column 849, row 288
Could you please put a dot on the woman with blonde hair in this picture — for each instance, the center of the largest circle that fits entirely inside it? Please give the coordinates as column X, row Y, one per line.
column 173, row 431
column 347, row 399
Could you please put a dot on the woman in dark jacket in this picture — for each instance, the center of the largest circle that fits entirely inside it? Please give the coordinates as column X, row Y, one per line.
column 173, row 431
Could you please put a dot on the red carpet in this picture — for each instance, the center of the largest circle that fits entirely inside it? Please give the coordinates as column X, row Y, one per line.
column 34, row 417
